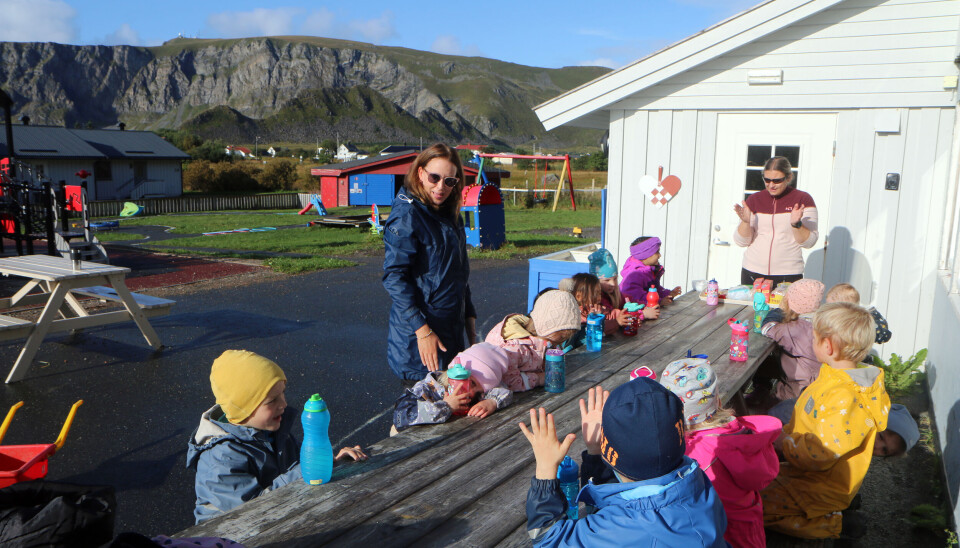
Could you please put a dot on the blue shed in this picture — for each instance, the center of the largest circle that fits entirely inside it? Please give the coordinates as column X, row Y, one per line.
column 547, row 270
column 483, row 219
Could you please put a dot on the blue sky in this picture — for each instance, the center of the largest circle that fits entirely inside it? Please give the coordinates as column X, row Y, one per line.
column 545, row 34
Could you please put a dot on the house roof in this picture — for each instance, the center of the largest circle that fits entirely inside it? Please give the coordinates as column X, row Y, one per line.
column 47, row 142
column 392, row 149
column 468, row 146
column 346, row 168
column 350, row 148
column 244, row 150
column 584, row 106
column 130, row 144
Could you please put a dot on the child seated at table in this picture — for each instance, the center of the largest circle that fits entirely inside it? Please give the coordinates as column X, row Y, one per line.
column 554, row 319
column 790, row 327
column 646, row 491
column 642, row 270
column 433, row 401
column 846, row 293
column 829, row 441
column 244, row 446
column 736, row 453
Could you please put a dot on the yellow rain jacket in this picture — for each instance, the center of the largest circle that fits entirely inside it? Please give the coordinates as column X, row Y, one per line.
column 828, row 443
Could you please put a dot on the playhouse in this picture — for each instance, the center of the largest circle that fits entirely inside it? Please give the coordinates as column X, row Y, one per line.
column 483, row 219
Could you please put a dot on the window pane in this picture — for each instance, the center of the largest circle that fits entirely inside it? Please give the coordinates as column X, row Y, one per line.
column 754, row 180
column 791, row 153
column 796, row 179
column 757, row 155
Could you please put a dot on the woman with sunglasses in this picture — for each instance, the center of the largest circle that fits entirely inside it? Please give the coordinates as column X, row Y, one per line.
column 775, row 225
column 425, row 268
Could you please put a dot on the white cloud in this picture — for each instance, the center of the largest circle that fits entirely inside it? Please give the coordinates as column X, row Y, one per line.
column 374, row 30
column 258, row 22
column 450, row 45
column 37, row 21
column 123, row 36
column 600, row 62
column 319, row 23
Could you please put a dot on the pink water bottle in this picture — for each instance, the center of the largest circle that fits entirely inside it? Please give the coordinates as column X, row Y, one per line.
column 739, row 340
column 459, row 377
column 713, row 293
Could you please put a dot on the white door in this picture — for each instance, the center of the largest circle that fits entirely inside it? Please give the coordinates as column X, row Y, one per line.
column 744, row 143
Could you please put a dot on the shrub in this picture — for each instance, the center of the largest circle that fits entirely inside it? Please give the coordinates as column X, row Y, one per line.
column 198, row 176
column 902, row 377
column 236, row 177
column 278, row 175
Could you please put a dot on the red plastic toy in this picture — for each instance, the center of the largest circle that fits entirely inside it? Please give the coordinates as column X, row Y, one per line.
column 29, row 462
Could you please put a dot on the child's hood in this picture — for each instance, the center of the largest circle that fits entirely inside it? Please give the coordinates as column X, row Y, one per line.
column 745, row 448
column 212, row 431
column 517, row 326
column 871, row 396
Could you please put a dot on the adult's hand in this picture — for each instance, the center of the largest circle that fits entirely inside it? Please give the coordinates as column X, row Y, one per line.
column 743, row 212
column 427, row 343
column 471, row 332
column 796, row 214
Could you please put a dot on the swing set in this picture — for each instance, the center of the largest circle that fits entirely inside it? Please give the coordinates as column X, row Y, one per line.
column 566, row 174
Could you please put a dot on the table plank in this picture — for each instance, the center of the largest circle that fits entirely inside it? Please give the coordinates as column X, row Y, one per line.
column 46, row 267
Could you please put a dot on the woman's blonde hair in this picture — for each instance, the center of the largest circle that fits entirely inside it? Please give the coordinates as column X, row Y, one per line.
column 781, row 164
column 849, row 326
column 720, row 418
column 411, row 182
column 586, row 289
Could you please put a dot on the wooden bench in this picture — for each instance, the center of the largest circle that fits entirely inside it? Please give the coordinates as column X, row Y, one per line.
column 14, row 328
column 151, row 306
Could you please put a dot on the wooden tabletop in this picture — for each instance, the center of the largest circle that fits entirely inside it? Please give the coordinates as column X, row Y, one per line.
column 53, row 269
column 465, row 482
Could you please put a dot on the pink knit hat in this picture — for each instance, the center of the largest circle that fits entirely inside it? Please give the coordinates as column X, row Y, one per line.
column 486, row 362
column 804, row 295
column 555, row 311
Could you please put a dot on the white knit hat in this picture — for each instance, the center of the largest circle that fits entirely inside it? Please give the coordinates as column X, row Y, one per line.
column 555, row 311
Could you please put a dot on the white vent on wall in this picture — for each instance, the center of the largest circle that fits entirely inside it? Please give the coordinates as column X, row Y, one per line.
column 765, row 77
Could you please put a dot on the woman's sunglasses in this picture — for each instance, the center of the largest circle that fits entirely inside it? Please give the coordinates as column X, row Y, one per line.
column 774, row 181
column 435, row 178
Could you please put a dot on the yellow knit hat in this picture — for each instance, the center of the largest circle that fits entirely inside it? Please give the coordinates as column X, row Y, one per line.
column 241, row 380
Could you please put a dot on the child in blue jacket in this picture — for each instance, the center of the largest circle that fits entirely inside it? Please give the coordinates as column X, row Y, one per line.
column 244, row 446
column 635, row 441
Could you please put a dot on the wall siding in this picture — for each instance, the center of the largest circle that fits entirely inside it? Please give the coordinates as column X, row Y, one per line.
column 944, row 383
column 861, row 54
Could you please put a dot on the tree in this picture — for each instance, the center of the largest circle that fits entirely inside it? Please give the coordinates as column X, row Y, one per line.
column 522, row 164
column 278, row 175
column 329, row 144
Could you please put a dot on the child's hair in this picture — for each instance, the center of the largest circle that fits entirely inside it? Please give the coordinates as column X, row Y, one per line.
column 788, row 314
column 241, row 380
column 843, row 293
column 849, row 326
column 640, row 239
column 586, row 288
column 720, row 418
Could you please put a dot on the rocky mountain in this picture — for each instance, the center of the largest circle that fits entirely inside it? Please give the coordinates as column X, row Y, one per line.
column 288, row 89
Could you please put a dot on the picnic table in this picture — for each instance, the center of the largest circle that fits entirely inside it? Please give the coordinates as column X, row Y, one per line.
column 465, row 482
column 60, row 285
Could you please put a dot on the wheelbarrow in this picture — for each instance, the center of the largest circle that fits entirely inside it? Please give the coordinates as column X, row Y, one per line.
column 29, row 462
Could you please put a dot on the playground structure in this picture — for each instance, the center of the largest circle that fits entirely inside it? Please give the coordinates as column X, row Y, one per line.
column 483, row 218
column 314, row 203
column 29, row 213
column 565, row 174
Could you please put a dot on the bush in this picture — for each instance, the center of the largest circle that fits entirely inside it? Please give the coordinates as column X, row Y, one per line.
column 902, row 377
column 278, row 175
column 198, row 176
column 236, row 177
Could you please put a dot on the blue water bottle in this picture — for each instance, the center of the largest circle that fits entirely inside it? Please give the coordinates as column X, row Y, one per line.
column 316, row 454
column 556, row 381
column 569, row 476
column 594, row 332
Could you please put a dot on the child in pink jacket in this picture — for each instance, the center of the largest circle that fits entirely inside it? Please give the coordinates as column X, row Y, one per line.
column 554, row 319
column 793, row 332
column 736, row 453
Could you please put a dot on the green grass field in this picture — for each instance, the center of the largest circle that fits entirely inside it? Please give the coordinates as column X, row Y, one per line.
column 331, row 247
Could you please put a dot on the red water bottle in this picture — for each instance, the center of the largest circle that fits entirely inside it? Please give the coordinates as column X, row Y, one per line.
column 459, row 377
column 632, row 311
column 653, row 297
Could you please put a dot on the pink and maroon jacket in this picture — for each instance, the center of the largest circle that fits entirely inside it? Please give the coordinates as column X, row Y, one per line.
column 740, row 461
column 772, row 249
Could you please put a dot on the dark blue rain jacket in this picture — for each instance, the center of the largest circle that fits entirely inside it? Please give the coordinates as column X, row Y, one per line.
column 425, row 271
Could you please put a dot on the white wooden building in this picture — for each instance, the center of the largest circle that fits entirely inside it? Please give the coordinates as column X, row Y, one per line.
column 861, row 93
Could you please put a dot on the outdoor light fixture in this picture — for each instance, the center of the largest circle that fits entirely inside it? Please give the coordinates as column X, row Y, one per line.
column 765, row 77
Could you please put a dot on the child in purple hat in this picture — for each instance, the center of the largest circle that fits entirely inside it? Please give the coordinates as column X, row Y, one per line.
column 634, row 472
column 642, row 270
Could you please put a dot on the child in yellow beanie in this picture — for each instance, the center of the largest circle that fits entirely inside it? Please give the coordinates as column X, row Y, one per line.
column 244, row 446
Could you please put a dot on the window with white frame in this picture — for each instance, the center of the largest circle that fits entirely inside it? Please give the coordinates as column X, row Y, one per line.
column 757, row 155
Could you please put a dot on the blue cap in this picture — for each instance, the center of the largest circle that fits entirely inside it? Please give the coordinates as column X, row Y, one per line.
column 568, row 471
column 602, row 264
column 901, row 421
column 643, row 430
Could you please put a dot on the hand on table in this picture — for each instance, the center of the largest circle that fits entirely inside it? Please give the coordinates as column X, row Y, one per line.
column 355, row 453
column 482, row 409
column 651, row 312
column 621, row 318
column 591, row 417
column 547, row 449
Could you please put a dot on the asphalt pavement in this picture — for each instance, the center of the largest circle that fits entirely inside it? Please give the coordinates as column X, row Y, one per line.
column 327, row 330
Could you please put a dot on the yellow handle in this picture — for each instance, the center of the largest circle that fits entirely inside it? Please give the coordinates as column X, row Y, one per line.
column 66, row 425
column 6, row 421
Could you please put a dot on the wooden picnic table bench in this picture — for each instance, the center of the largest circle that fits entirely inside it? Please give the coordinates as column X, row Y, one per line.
column 465, row 482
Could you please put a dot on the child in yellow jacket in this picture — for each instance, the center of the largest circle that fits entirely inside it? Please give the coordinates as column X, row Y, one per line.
column 828, row 444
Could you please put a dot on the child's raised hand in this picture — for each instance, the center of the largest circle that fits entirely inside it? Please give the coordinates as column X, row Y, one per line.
column 482, row 409
column 651, row 312
column 675, row 292
column 457, row 402
column 355, row 453
column 542, row 436
column 591, row 417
